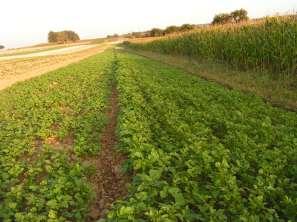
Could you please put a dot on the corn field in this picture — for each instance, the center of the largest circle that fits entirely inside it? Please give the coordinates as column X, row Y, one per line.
column 267, row 45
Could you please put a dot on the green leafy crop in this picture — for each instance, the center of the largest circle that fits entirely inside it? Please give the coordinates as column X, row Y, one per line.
column 46, row 125
column 198, row 151
column 201, row 152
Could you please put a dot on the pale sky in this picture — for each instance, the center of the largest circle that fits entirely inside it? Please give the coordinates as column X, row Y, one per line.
column 25, row 22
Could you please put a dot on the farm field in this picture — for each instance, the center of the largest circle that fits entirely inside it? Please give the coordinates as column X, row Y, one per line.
column 279, row 91
column 48, row 52
column 15, row 70
column 71, row 140
column 40, row 48
column 268, row 45
column 257, row 57
column 54, row 49
column 16, row 52
column 48, row 128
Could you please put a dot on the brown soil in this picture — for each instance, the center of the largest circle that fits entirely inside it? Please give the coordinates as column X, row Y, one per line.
column 109, row 183
column 58, row 144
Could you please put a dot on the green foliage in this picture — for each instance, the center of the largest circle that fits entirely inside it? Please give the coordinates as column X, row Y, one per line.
column 235, row 16
column 138, row 34
column 186, row 27
column 171, row 29
column 200, row 152
column 42, row 180
column 52, row 37
column 267, row 46
column 2, row 47
column 239, row 15
column 62, row 37
column 156, row 32
column 222, row 18
column 112, row 36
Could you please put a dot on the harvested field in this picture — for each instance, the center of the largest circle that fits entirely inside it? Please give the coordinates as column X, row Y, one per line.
column 13, row 71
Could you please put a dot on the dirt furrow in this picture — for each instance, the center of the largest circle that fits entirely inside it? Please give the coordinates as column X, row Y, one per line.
column 109, row 183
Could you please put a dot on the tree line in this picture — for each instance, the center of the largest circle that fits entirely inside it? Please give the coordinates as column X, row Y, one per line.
column 171, row 29
column 233, row 17
column 62, row 37
column 161, row 32
column 222, row 18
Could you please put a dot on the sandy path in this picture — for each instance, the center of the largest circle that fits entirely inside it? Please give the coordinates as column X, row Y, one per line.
column 13, row 71
column 61, row 51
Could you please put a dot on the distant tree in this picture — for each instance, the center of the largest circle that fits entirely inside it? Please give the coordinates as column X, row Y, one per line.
column 139, row 34
column 186, row 27
column 171, row 29
column 156, row 32
column 136, row 34
column 222, row 18
column 235, row 16
column 62, row 37
column 239, row 15
column 70, row 36
column 51, row 37
column 2, row 47
column 112, row 36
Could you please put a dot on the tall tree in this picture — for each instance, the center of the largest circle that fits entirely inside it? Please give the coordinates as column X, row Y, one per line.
column 239, row 15
column 51, row 37
column 2, row 47
column 235, row 16
column 62, row 37
column 222, row 18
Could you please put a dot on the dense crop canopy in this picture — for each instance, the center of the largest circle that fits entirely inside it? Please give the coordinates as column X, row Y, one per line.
column 269, row 45
column 201, row 152
column 198, row 152
column 46, row 124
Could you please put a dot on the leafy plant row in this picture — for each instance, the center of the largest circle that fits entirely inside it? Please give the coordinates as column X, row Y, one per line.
column 266, row 46
column 201, row 152
column 47, row 125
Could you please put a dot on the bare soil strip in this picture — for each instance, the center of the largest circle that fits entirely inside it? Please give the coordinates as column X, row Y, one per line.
column 109, row 183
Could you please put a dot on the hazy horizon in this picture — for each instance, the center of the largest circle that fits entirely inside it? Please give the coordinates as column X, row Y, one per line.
column 28, row 22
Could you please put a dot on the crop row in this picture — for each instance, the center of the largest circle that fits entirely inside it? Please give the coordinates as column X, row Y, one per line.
column 266, row 46
column 46, row 126
column 201, row 152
